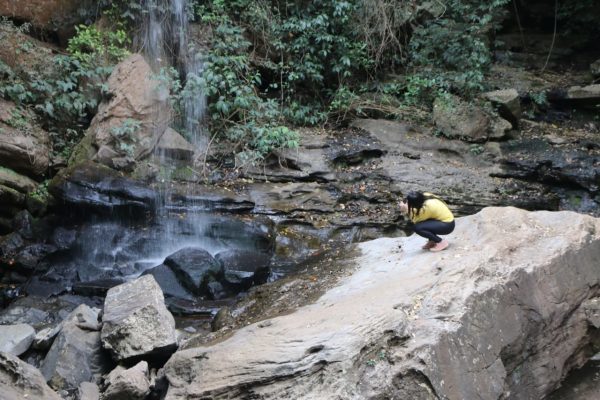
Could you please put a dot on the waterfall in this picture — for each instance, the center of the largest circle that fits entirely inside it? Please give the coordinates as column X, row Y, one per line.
column 164, row 38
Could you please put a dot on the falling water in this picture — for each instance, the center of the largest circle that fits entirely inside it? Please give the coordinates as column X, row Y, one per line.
column 163, row 37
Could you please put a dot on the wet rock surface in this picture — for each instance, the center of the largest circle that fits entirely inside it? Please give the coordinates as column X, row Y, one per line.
column 194, row 268
column 415, row 312
column 90, row 185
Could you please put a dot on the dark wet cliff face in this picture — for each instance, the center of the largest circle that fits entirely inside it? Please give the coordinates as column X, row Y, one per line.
column 532, row 26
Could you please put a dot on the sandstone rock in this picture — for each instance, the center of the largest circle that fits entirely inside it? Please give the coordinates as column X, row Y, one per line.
column 458, row 119
column 309, row 162
column 92, row 185
column 195, row 268
column 445, row 167
column 58, row 16
column 536, row 160
column 508, row 104
column 127, row 384
column 18, row 182
column 76, row 355
column 136, row 322
column 131, row 123
column 24, row 147
column 174, row 146
column 27, row 57
column 16, row 339
column 10, row 198
column 589, row 92
column 499, row 314
column 293, row 196
column 258, row 234
column 19, row 380
column 88, row 391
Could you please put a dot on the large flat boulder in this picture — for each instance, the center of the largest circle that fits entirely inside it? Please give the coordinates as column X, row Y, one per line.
column 502, row 313
column 136, row 322
column 19, row 380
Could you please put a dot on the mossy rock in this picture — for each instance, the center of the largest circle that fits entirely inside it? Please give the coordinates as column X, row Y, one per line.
column 84, row 150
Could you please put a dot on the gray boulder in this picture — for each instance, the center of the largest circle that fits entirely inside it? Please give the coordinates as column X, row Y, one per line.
column 76, row 355
column 127, row 384
column 508, row 104
column 19, row 380
column 456, row 118
column 16, row 339
column 502, row 313
column 136, row 322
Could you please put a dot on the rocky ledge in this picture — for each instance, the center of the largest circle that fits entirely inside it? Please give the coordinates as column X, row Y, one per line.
column 506, row 312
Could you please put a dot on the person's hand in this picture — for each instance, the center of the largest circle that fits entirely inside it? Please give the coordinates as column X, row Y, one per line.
column 403, row 207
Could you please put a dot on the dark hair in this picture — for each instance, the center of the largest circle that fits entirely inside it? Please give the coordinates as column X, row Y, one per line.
column 415, row 201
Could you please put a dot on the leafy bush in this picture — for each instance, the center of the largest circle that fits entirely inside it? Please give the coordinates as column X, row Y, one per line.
column 93, row 46
column 66, row 96
column 124, row 135
column 453, row 52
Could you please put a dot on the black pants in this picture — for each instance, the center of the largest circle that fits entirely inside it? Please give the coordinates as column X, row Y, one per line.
column 431, row 228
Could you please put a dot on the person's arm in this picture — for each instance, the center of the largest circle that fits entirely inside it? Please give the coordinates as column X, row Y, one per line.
column 404, row 208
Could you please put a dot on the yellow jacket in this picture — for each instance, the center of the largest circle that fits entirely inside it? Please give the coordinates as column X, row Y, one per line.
column 433, row 209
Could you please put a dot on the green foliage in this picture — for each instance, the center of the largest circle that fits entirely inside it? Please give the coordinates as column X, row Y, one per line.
column 124, row 135
column 40, row 193
column 306, row 52
column 539, row 98
column 453, row 52
column 236, row 110
column 93, row 46
column 64, row 97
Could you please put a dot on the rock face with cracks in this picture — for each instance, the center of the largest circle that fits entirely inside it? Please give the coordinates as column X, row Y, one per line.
column 500, row 314
column 136, row 321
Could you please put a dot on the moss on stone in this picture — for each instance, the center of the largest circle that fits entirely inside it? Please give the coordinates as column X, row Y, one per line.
column 84, row 150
